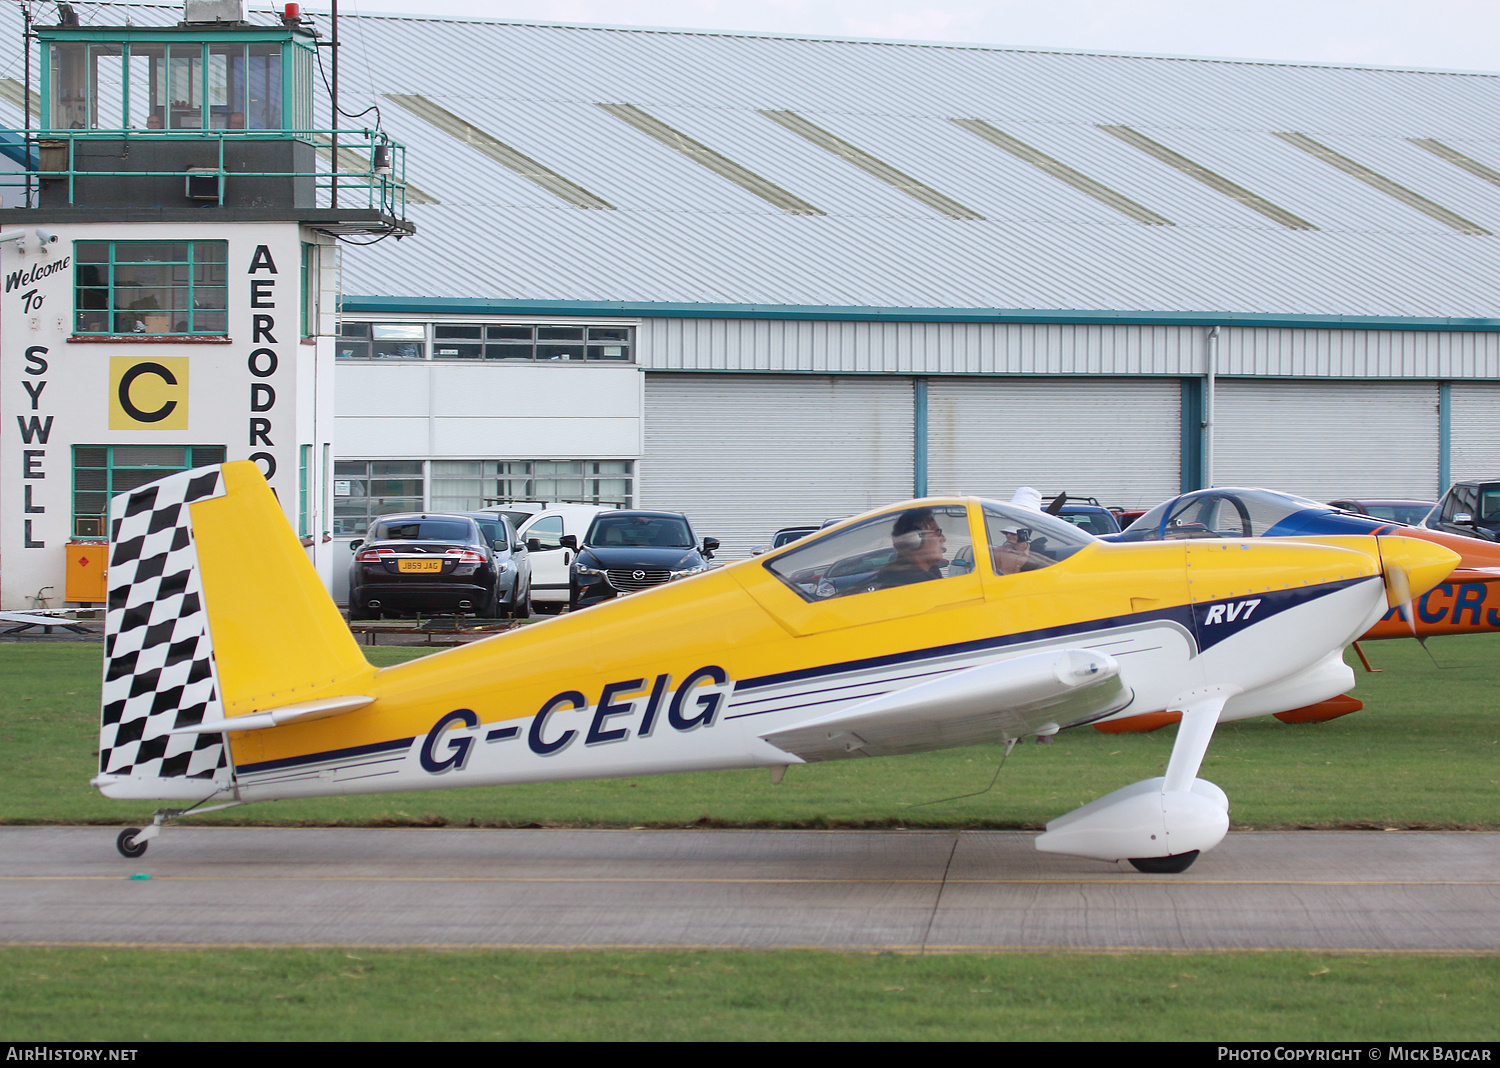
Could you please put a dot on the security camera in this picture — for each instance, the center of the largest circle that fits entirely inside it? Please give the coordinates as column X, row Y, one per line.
column 18, row 236
column 46, row 237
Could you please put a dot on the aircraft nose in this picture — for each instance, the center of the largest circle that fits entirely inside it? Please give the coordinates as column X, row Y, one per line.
column 1413, row 567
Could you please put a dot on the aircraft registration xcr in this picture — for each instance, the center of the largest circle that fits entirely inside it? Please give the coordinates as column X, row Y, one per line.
column 920, row 626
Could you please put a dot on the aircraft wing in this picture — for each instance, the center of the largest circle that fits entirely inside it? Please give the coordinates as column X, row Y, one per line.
column 989, row 703
column 1474, row 574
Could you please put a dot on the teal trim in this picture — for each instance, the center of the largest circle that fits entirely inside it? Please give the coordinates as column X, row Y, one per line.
column 304, row 480
column 370, row 305
column 1193, row 476
column 1445, row 435
column 919, row 437
column 167, row 34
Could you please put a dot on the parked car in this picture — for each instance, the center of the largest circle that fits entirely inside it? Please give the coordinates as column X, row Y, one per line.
column 630, row 550
column 1398, row 511
column 785, row 536
column 1093, row 517
column 1468, row 508
column 439, row 562
column 517, row 513
column 501, row 530
column 551, row 560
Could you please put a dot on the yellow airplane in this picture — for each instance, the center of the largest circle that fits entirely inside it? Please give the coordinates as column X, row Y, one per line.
column 230, row 677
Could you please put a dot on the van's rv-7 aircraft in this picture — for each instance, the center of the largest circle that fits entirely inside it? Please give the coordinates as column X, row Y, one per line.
column 230, row 676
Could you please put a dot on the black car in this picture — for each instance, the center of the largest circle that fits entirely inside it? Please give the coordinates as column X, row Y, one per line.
column 1398, row 510
column 440, row 562
column 1469, row 508
column 626, row 551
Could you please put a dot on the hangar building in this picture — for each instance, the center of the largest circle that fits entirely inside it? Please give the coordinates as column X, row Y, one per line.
column 768, row 280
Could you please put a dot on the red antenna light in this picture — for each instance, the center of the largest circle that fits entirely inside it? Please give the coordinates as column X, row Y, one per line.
column 293, row 13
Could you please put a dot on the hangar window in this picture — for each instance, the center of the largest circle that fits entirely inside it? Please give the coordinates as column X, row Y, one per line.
column 150, row 287
column 101, row 471
column 364, row 490
column 548, row 343
column 519, row 341
column 391, row 341
column 464, row 485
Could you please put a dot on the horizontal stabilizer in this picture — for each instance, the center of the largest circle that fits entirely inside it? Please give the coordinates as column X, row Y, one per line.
column 989, row 703
column 302, row 712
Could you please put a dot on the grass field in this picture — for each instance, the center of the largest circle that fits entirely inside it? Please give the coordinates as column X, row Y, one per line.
column 475, row 995
column 1425, row 753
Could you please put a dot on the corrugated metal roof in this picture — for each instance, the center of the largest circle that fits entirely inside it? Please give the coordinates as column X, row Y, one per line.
column 677, row 231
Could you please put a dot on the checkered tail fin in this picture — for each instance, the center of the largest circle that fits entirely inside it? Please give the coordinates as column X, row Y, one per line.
column 214, row 612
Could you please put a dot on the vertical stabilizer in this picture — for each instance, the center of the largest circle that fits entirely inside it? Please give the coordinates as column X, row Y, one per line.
column 158, row 654
column 215, row 612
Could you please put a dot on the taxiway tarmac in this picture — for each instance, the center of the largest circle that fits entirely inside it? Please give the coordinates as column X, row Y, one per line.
column 898, row 890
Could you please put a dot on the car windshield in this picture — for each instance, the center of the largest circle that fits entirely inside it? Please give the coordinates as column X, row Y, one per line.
column 422, row 530
column 1094, row 521
column 516, row 516
column 1411, row 514
column 653, row 531
column 1236, row 513
column 493, row 531
column 1489, row 505
column 786, row 537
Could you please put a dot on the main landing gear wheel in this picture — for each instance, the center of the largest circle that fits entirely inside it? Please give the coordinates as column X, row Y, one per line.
column 128, row 846
column 1172, row 865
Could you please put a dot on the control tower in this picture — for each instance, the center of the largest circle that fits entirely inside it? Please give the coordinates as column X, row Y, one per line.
column 171, row 255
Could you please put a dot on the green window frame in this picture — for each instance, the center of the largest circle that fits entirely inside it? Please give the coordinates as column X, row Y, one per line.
column 102, row 471
column 178, row 83
column 155, row 288
column 304, row 487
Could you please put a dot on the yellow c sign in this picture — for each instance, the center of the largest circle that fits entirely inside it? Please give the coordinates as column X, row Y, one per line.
column 148, row 393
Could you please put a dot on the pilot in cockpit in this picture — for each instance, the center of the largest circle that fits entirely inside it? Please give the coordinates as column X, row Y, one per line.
column 919, row 544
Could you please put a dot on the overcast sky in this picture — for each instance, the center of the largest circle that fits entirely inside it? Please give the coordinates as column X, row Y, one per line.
column 1447, row 34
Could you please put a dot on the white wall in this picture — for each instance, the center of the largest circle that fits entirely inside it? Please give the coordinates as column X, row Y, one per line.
column 46, row 374
column 489, row 411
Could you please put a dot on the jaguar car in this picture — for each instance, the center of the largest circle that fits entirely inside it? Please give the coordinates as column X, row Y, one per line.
column 439, row 562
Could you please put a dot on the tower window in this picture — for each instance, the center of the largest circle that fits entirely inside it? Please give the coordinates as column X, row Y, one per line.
column 151, row 287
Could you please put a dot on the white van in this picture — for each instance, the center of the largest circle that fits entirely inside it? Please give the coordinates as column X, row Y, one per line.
column 551, row 561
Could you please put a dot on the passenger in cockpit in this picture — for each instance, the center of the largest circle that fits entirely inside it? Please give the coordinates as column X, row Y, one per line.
column 1011, row 552
column 919, row 544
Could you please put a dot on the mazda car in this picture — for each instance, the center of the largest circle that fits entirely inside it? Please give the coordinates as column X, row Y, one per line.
column 626, row 551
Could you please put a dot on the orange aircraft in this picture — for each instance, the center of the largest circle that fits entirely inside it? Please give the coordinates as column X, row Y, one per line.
column 1460, row 605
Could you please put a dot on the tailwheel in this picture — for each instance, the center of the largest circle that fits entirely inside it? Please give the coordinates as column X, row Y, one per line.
column 128, row 846
column 1172, row 865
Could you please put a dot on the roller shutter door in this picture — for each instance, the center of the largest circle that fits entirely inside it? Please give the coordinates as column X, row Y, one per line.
column 743, row 455
column 1474, row 440
column 1117, row 439
column 1328, row 439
